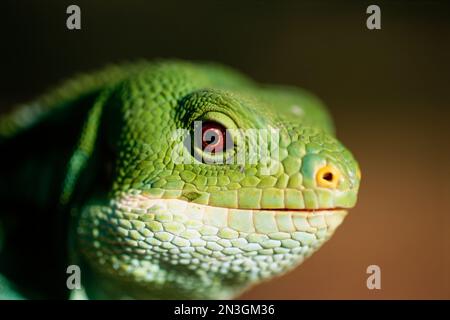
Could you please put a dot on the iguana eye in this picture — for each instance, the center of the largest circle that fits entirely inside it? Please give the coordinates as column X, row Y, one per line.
column 213, row 140
column 213, row 137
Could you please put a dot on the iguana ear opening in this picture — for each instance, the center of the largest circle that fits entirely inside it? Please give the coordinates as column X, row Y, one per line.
column 84, row 149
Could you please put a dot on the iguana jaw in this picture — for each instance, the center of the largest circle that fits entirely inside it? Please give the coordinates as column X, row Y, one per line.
column 196, row 251
column 261, row 221
column 303, row 210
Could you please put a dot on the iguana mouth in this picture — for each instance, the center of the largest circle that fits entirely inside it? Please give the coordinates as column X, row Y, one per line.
column 304, row 210
column 261, row 220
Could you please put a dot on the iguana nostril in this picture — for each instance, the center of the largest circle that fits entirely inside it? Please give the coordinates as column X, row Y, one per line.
column 328, row 177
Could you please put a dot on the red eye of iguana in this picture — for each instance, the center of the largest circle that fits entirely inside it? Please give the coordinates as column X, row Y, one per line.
column 213, row 137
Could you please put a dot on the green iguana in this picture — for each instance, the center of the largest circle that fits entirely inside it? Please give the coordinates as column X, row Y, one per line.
column 166, row 180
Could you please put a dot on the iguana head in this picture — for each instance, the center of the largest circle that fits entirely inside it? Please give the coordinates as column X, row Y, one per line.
column 218, row 183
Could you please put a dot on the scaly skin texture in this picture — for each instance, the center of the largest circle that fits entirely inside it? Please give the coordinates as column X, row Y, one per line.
column 146, row 225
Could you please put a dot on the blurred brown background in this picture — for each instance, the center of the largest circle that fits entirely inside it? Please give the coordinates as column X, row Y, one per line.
column 387, row 90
